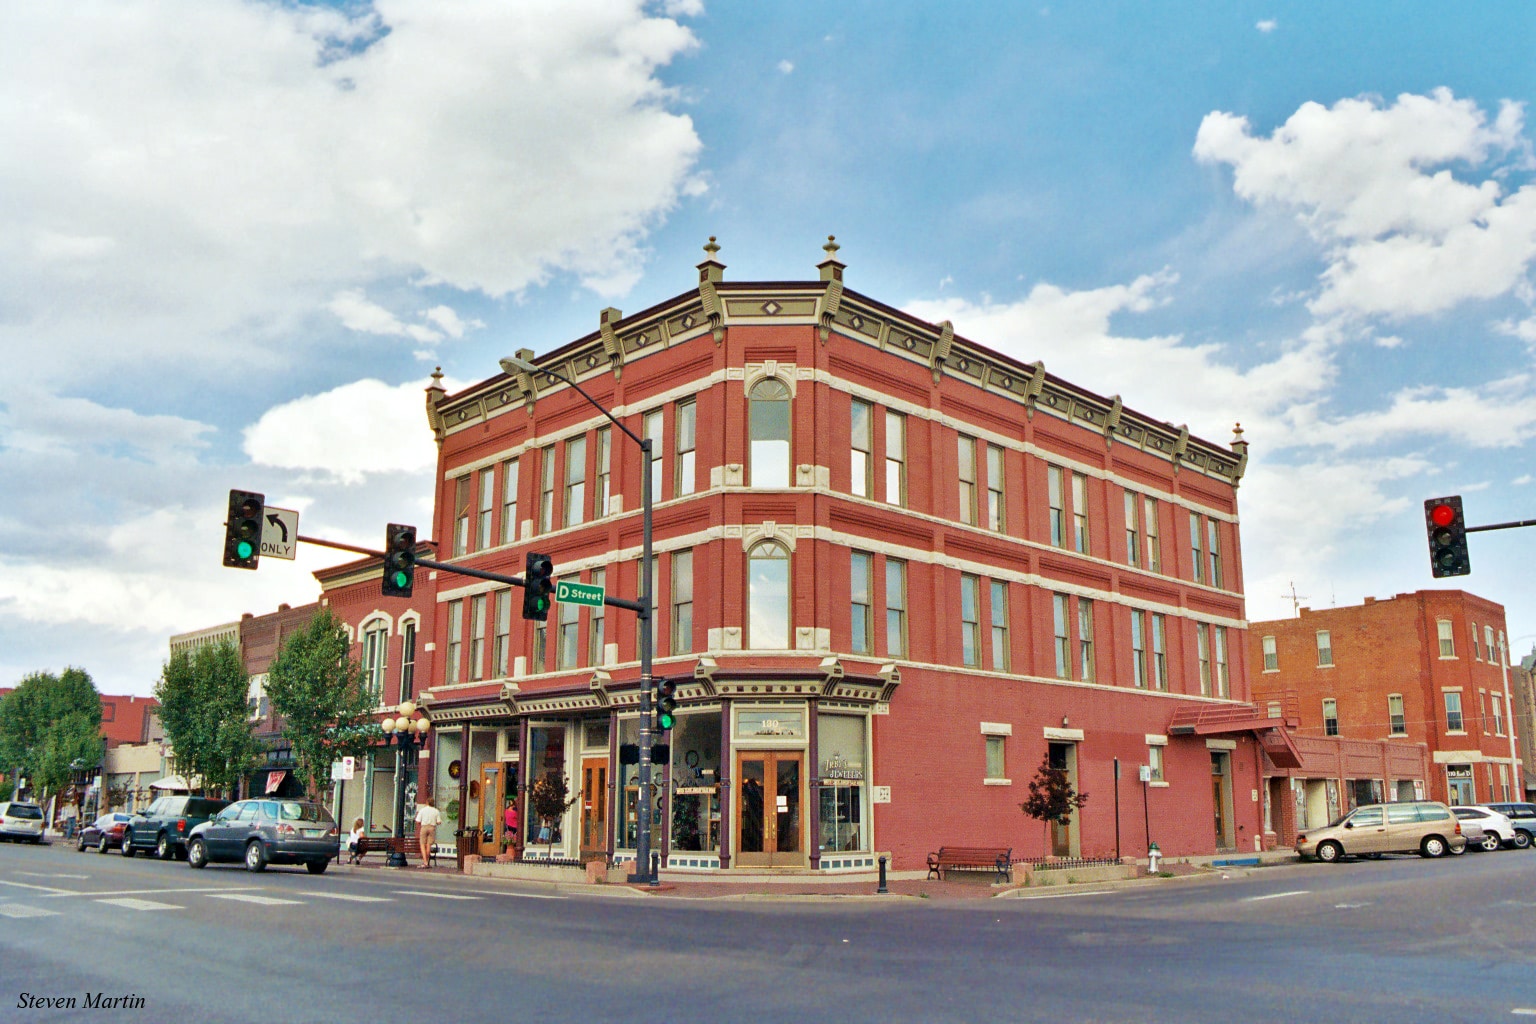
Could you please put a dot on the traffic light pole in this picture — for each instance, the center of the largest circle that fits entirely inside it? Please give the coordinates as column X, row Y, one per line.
column 1502, row 526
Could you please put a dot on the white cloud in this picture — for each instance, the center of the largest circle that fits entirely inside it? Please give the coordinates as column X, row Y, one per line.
column 1522, row 479
column 347, row 433
column 1267, row 25
column 1375, row 186
column 786, row 67
column 1501, row 414
column 183, row 169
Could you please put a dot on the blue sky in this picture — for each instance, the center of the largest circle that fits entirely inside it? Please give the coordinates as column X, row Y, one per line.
column 235, row 238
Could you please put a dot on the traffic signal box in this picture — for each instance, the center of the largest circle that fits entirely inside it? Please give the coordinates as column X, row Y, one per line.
column 399, row 560
column 538, row 585
column 242, row 529
column 1447, row 530
column 666, row 705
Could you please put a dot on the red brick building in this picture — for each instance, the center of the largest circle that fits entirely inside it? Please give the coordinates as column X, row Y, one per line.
column 261, row 637
column 895, row 571
column 1427, row 669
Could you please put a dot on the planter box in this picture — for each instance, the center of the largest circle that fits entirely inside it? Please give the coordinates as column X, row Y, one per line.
column 530, row 872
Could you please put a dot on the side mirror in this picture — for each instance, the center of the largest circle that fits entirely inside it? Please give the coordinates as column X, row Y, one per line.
column 1349, row 824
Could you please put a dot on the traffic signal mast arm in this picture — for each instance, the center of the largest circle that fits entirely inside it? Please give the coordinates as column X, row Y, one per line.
column 1502, row 526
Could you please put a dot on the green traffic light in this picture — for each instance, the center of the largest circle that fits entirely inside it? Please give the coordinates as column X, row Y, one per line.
column 666, row 720
column 401, row 579
column 244, row 549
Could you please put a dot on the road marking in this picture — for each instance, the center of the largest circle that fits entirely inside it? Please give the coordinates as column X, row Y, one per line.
column 133, row 904
column 1277, row 895
column 245, row 897
column 1064, row 895
column 39, row 888
column 1349, row 906
column 1524, row 1011
column 528, row 896
column 49, row 874
column 354, row 899
column 434, row 895
column 17, row 910
column 57, row 893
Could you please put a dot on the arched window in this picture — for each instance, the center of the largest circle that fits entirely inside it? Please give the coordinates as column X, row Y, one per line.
column 768, row 421
column 768, row 597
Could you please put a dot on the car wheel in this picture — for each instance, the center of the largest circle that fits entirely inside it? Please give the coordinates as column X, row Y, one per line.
column 197, row 854
column 127, row 847
column 255, row 856
column 101, row 846
column 81, row 844
column 1491, row 842
column 1329, row 852
column 1456, row 851
column 1522, row 839
column 317, row 867
column 1433, row 846
column 163, row 848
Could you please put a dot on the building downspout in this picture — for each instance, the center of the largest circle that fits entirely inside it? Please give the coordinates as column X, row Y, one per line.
column 1517, row 780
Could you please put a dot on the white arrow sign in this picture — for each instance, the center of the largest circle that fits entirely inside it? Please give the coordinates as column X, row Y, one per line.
column 279, row 532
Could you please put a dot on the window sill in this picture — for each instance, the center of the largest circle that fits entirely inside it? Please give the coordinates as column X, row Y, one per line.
column 1158, row 784
column 1455, row 732
column 1271, row 671
column 1329, row 665
column 997, row 782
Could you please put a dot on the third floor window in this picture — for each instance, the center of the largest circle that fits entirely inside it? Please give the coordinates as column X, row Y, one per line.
column 861, row 460
column 768, row 423
column 687, row 430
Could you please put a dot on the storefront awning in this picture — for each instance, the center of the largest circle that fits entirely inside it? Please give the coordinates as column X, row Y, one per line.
column 1227, row 719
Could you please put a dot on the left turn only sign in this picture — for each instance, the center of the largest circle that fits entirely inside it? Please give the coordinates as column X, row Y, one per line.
column 279, row 532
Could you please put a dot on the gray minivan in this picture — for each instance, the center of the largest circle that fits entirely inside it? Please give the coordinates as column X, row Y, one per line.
column 1425, row 827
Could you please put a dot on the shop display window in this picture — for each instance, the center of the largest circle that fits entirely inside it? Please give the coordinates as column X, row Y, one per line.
column 629, row 782
column 695, row 743
column 546, row 758
column 841, row 768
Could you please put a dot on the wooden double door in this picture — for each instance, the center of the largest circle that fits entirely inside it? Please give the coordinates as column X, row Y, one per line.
column 770, row 802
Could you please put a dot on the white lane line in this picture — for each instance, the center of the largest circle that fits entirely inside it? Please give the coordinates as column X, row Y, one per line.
column 1524, row 1011
column 133, row 904
column 1065, row 895
column 146, row 892
column 527, row 896
column 265, row 901
column 39, row 888
column 49, row 874
column 348, row 896
column 434, row 895
column 1349, row 906
column 17, row 910
column 1277, row 895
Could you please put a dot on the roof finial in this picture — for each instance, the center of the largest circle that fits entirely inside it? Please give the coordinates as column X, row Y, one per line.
column 711, row 247
column 831, row 247
column 437, row 377
column 831, row 267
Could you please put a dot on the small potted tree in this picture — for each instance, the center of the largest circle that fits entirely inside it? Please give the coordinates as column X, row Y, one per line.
column 550, row 798
column 1052, row 800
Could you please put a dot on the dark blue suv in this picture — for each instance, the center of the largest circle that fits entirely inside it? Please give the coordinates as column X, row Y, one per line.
column 1524, row 818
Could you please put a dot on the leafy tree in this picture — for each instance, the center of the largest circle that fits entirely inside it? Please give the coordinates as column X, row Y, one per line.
column 550, row 802
column 202, row 696
column 48, row 723
column 1051, row 796
column 317, row 687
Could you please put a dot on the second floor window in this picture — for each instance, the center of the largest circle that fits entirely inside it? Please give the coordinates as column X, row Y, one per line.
column 768, row 625
column 768, row 424
column 509, row 501
column 602, row 488
column 1324, row 648
column 967, row 468
column 1330, row 717
column 651, row 428
column 453, row 669
column 575, row 480
column 547, row 489
column 477, row 610
column 1132, row 528
column 682, row 602
column 1159, row 652
column 407, row 660
column 567, row 642
column 1203, row 650
column 1223, row 680
column 461, row 504
column 375, row 643
column 895, row 608
column 596, row 655
column 1397, row 722
column 1271, row 655
column 1213, row 540
column 1453, row 719
column 895, row 458
column 1063, row 639
column 1498, row 715
column 999, row 626
column 970, row 622
column 1138, row 648
column 997, row 518
column 501, row 643
column 1055, row 489
column 687, row 441
column 862, row 566
column 1154, row 544
column 860, row 460
column 1447, row 640
column 1196, row 554
column 486, row 507
column 1085, row 661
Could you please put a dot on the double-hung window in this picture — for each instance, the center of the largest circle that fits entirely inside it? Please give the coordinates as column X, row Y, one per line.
column 682, row 602
column 454, row 668
column 1330, row 717
column 1223, row 680
column 1213, row 538
column 651, row 428
column 967, row 468
column 970, row 623
column 501, row 644
column 1132, row 528
column 575, row 480
column 1196, row 555
column 375, row 643
column 997, row 516
column 567, row 641
column 1085, row 663
column 547, row 489
column 1453, row 718
column 1159, row 652
column 1055, row 490
column 1324, row 648
column 477, row 610
column 486, row 508
column 895, row 608
column 1203, row 649
column 860, row 583
column 1154, row 543
column 1271, row 654
column 895, row 458
column 602, row 490
column 509, row 501
column 1397, row 722
column 1447, row 639
column 1139, row 648
column 596, row 655
column 999, row 611
column 861, row 456
column 407, row 660
column 1063, row 639
column 461, row 502
column 687, row 431
column 1080, row 513
column 768, row 422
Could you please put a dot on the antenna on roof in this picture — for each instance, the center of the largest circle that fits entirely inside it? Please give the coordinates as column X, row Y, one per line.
column 1295, row 600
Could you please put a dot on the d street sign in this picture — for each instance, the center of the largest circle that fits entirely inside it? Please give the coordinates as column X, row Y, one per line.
column 279, row 532
column 579, row 593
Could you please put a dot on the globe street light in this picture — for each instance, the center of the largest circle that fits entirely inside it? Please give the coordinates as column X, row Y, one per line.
column 643, row 873
column 409, row 735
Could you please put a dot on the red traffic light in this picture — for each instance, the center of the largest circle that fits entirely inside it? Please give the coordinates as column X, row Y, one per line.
column 1442, row 515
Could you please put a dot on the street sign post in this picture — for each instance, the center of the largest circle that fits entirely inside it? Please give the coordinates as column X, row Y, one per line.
column 279, row 532
column 579, row 593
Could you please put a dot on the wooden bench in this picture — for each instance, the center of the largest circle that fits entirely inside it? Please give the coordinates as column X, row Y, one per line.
column 389, row 844
column 972, row 858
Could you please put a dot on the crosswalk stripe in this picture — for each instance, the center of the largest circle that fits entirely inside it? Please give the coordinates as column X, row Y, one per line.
column 434, row 895
column 17, row 910
column 350, row 897
column 245, row 897
column 133, row 904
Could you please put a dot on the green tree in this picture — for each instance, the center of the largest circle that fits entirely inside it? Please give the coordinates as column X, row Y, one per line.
column 317, row 687
column 48, row 723
column 202, row 696
column 1051, row 796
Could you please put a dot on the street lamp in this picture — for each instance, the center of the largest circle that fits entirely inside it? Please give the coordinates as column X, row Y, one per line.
column 410, row 735
column 517, row 363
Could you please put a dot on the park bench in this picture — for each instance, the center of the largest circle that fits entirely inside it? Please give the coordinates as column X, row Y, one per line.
column 972, row 858
column 389, row 844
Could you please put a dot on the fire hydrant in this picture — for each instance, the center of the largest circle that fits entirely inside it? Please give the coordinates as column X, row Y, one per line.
column 1153, row 856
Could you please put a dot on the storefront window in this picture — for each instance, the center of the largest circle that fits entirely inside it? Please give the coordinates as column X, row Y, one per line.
column 482, row 750
column 841, row 761
column 788, row 723
column 696, row 783
column 445, row 787
column 546, row 759
column 629, row 784
column 381, row 808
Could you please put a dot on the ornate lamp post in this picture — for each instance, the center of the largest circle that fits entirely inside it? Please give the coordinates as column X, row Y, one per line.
column 409, row 735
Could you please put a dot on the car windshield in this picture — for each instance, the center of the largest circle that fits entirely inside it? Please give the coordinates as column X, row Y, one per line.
column 293, row 810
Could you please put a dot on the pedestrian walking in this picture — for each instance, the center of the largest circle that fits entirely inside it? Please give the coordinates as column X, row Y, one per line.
column 427, row 820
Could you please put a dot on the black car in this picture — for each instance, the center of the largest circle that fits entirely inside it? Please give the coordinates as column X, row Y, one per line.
column 166, row 823
column 266, row 831
column 105, row 833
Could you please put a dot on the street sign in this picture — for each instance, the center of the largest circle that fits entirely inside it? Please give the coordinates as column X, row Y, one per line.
column 579, row 593
column 344, row 770
column 279, row 532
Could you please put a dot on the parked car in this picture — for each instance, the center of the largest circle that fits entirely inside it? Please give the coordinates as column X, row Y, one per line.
column 1424, row 827
column 264, row 831
column 1524, row 818
column 105, row 833
column 167, row 822
column 1498, row 830
column 20, row 820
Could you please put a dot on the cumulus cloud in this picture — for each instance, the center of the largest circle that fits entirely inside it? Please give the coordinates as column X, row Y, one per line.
column 1267, row 25
column 1374, row 183
column 786, row 67
column 189, row 169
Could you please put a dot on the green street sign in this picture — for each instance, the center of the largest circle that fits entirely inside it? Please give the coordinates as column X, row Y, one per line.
column 579, row 593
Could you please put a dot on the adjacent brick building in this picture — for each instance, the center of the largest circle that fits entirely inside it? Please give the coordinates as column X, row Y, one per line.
column 1422, row 670
column 895, row 571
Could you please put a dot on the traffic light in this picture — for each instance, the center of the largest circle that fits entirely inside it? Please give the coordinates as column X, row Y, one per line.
column 537, row 586
column 1447, row 531
column 399, row 560
column 242, row 529
column 666, row 705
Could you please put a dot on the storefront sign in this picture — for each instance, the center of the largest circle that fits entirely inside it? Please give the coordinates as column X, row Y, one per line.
column 837, row 767
column 1458, row 771
column 770, row 723
column 696, row 790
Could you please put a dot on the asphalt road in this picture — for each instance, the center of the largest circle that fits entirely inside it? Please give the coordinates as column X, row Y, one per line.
column 1401, row 939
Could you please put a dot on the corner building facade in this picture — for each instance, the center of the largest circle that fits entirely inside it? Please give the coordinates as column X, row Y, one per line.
column 895, row 572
